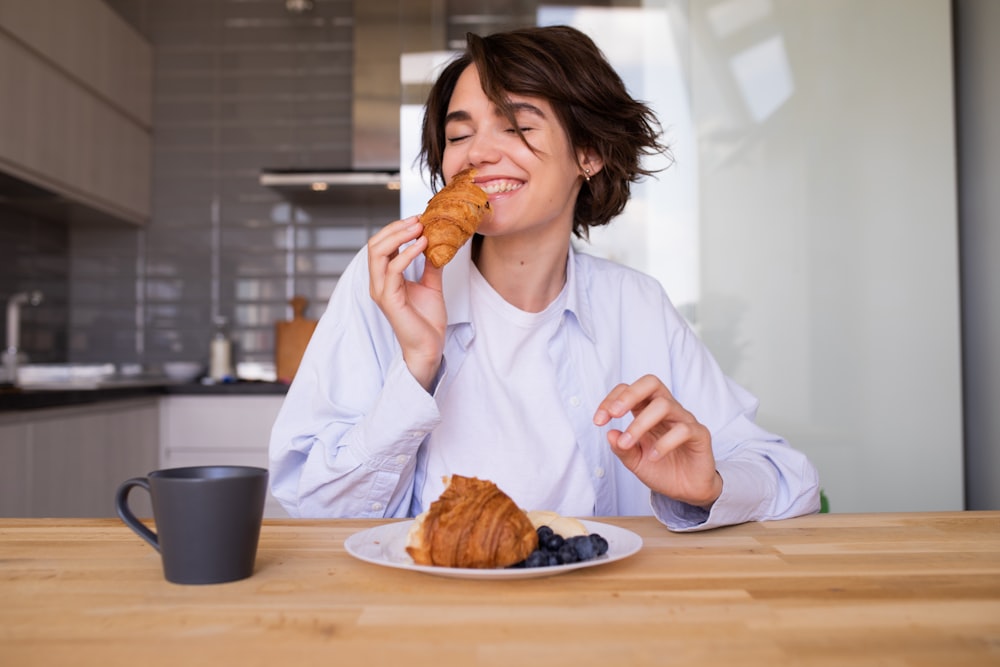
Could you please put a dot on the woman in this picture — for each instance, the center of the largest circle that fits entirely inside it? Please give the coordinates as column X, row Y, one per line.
column 570, row 381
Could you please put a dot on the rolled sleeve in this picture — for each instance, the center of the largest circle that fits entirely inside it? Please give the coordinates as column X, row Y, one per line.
column 752, row 490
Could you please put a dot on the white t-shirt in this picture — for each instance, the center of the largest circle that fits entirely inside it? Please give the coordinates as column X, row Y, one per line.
column 510, row 371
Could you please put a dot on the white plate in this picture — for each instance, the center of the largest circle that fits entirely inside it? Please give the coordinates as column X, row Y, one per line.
column 386, row 545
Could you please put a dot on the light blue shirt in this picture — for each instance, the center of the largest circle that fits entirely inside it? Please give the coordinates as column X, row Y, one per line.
column 350, row 439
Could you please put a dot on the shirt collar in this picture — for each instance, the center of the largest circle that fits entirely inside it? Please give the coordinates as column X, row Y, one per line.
column 456, row 288
column 578, row 294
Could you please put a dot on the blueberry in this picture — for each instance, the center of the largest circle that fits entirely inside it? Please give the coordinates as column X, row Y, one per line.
column 536, row 558
column 583, row 546
column 553, row 559
column 553, row 542
column 567, row 554
column 600, row 544
column 544, row 532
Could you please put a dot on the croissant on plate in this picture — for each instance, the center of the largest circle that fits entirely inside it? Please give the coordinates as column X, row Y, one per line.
column 473, row 524
column 453, row 216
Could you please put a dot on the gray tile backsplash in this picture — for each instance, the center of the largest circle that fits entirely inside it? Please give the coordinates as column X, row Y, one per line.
column 34, row 255
column 238, row 86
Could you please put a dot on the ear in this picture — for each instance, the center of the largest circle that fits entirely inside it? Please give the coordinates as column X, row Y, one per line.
column 590, row 162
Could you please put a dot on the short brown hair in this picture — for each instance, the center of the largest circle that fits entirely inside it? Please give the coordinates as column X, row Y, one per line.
column 563, row 66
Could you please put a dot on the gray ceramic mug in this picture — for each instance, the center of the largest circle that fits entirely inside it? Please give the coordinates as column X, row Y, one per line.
column 207, row 520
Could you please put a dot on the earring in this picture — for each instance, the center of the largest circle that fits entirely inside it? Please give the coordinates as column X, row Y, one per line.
column 586, row 175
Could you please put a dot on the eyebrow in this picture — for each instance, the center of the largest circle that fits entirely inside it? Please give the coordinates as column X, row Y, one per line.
column 459, row 115
column 518, row 107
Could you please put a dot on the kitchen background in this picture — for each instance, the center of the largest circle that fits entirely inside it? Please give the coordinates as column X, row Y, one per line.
column 891, row 382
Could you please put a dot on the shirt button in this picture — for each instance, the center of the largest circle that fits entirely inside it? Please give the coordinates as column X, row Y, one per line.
column 575, row 401
column 377, row 507
column 401, row 459
column 598, row 472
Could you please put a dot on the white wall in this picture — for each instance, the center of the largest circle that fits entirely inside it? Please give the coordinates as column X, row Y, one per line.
column 818, row 145
column 830, row 235
column 978, row 57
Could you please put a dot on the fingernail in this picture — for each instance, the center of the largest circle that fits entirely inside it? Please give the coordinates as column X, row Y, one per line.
column 601, row 417
column 654, row 454
column 625, row 439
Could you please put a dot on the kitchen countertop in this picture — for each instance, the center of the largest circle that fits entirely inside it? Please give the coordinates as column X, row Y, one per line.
column 32, row 399
column 227, row 388
column 829, row 589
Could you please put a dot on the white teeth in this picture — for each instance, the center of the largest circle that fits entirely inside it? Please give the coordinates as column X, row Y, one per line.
column 495, row 187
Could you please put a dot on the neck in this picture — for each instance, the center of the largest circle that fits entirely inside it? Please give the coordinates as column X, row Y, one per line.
column 527, row 273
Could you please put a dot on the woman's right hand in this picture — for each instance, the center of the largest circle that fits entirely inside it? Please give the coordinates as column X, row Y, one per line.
column 415, row 310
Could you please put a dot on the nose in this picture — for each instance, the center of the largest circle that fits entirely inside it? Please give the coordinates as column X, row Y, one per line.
column 483, row 149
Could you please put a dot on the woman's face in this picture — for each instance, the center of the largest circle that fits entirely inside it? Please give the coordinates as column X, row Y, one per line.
column 530, row 192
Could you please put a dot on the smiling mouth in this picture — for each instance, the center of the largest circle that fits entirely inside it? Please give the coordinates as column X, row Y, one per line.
column 500, row 186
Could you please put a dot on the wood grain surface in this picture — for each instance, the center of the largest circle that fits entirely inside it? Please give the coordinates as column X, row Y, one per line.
column 878, row 589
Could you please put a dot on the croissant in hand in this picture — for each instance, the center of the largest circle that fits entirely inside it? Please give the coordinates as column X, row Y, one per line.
column 473, row 524
column 453, row 216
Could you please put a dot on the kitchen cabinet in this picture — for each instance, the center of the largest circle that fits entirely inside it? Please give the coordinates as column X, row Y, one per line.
column 13, row 466
column 75, row 102
column 67, row 462
column 213, row 430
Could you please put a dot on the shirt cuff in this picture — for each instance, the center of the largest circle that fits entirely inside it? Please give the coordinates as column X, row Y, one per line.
column 746, row 489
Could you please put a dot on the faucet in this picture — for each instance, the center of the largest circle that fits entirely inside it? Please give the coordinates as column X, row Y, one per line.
column 11, row 352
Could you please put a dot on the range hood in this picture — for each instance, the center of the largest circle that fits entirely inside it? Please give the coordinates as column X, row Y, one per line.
column 376, row 97
column 321, row 180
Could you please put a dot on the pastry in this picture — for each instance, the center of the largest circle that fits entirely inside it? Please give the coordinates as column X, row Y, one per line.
column 453, row 216
column 473, row 524
column 564, row 526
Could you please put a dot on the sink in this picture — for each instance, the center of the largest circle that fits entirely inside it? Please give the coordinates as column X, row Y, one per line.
column 83, row 376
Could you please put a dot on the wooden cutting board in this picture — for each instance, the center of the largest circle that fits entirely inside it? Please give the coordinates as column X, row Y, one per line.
column 290, row 340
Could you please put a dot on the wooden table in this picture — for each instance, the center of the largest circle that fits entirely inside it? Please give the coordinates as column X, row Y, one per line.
column 831, row 590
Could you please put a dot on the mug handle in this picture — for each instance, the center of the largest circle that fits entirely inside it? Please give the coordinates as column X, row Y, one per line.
column 121, row 504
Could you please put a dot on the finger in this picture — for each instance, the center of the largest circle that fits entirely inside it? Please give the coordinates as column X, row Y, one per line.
column 391, row 280
column 406, row 254
column 604, row 410
column 679, row 433
column 615, row 440
column 386, row 242
column 383, row 248
column 393, row 277
column 637, row 394
column 627, row 397
column 391, row 229
column 432, row 275
column 652, row 415
column 630, row 456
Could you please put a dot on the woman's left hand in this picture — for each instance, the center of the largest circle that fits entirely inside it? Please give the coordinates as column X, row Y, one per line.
column 664, row 446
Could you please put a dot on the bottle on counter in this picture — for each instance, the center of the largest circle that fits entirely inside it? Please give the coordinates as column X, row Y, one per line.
column 220, row 365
